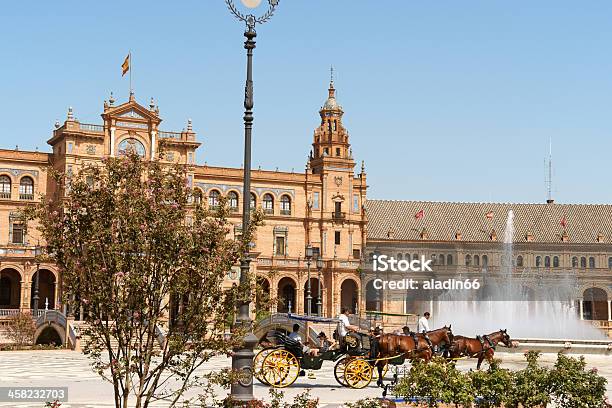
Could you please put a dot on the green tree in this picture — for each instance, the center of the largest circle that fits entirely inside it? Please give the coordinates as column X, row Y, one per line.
column 132, row 246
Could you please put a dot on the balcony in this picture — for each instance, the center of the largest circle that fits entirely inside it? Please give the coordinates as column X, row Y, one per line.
column 339, row 215
column 285, row 212
column 5, row 196
column 269, row 211
column 25, row 196
column 88, row 127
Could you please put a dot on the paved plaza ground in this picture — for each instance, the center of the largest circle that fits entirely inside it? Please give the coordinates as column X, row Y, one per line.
column 86, row 389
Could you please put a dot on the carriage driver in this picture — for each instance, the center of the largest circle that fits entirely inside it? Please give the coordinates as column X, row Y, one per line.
column 344, row 326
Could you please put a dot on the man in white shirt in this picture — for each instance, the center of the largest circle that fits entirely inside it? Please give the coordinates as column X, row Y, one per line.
column 344, row 325
column 423, row 323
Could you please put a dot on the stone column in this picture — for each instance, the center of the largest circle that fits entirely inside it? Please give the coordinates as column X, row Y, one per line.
column 298, row 307
column 25, row 288
column 581, row 301
column 153, row 134
column 112, row 141
column 274, row 295
column 610, row 310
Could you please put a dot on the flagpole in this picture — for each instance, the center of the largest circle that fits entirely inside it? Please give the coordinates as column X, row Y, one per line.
column 131, row 65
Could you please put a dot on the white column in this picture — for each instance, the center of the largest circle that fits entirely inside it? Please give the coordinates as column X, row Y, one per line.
column 610, row 310
column 581, row 308
column 112, row 141
column 153, row 134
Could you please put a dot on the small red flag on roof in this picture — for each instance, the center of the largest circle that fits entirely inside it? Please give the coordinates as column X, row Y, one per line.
column 489, row 215
column 419, row 215
column 564, row 222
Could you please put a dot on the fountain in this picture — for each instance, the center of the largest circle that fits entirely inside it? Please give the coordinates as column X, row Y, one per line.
column 505, row 302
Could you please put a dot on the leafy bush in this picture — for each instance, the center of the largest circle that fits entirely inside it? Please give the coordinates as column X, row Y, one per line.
column 436, row 382
column 21, row 329
column 531, row 386
column 493, row 386
column 575, row 387
column 365, row 403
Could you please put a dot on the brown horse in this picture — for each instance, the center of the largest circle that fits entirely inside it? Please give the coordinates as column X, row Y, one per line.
column 392, row 346
column 480, row 347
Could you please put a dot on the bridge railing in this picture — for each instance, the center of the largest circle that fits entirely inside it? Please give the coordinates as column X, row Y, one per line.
column 54, row 316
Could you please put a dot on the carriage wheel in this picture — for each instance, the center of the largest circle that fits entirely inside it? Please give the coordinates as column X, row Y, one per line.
column 280, row 368
column 385, row 370
column 339, row 371
column 258, row 365
column 358, row 373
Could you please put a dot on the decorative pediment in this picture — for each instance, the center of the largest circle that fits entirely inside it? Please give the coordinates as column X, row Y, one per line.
column 131, row 112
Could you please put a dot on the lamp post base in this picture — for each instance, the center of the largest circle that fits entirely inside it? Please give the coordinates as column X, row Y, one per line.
column 242, row 363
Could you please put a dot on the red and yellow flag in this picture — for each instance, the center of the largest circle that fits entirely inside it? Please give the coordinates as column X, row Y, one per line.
column 125, row 67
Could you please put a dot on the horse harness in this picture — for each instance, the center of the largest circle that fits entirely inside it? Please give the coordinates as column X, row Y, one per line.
column 484, row 338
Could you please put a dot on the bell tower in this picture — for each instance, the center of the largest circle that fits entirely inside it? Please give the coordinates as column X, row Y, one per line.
column 331, row 146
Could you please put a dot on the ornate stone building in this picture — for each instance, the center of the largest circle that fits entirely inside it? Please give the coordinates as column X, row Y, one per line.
column 321, row 206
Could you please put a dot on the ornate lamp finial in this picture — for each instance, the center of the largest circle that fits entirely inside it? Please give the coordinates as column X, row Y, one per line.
column 131, row 95
column 111, row 100
column 70, row 113
column 331, row 72
column 152, row 104
column 57, row 124
column 250, row 19
column 189, row 126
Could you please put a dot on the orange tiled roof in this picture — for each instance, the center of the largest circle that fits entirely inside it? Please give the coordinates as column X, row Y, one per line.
column 443, row 221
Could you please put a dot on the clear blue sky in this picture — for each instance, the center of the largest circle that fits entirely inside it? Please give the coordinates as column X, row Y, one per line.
column 444, row 100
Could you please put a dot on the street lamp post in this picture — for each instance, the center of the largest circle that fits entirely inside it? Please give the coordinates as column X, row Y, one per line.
column 37, row 252
column 242, row 358
column 319, row 268
column 309, row 253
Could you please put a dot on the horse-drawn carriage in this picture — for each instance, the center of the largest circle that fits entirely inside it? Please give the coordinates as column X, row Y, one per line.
column 360, row 358
column 280, row 365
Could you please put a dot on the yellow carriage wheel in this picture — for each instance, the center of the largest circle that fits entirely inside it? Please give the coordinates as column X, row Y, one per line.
column 280, row 368
column 258, row 365
column 358, row 373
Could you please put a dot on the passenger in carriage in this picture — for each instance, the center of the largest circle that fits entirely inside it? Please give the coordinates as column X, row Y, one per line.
column 344, row 326
column 406, row 331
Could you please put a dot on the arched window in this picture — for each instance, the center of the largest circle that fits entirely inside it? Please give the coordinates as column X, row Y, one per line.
column 583, row 262
column 547, row 262
column 285, row 203
column 5, row 186
column 232, row 198
column 591, row 262
column 485, row 261
column 434, row 259
column 131, row 145
column 538, row 261
column 268, row 204
column 575, row 262
column 476, row 260
column 441, row 259
column 519, row 260
column 213, row 199
column 449, row 259
column 399, row 256
column 253, row 201
column 26, row 188
column 197, row 196
column 415, row 256
column 468, row 260
column 407, row 257
column 610, row 262
column 555, row 262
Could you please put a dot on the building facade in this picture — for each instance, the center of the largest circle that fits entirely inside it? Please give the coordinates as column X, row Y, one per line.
column 551, row 243
column 321, row 206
